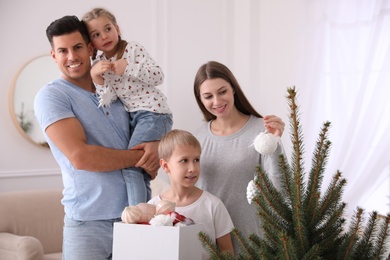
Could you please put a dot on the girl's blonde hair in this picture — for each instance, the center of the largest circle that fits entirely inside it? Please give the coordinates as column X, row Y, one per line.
column 176, row 138
column 98, row 12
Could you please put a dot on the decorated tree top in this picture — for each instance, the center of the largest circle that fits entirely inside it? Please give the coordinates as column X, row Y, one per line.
column 300, row 221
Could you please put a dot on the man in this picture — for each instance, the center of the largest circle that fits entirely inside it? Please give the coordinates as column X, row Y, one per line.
column 89, row 143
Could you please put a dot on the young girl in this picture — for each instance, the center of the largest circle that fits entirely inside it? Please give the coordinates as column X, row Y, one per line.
column 179, row 153
column 125, row 70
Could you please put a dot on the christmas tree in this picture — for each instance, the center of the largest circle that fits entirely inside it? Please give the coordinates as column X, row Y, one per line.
column 301, row 222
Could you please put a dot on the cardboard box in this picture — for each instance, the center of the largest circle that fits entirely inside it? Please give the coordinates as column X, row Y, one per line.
column 144, row 242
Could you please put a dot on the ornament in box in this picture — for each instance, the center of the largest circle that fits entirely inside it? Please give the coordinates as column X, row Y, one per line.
column 141, row 213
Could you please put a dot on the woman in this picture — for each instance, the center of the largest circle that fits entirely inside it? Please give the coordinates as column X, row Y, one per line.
column 228, row 157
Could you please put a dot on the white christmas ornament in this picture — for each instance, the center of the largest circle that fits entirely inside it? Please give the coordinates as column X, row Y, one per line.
column 266, row 143
column 251, row 191
column 131, row 214
column 165, row 207
column 106, row 97
column 162, row 220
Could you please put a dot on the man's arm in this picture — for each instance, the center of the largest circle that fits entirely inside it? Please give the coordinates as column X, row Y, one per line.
column 69, row 136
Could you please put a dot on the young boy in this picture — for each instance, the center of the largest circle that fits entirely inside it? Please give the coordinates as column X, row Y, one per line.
column 179, row 153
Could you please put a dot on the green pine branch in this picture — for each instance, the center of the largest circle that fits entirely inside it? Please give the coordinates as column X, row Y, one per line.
column 299, row 221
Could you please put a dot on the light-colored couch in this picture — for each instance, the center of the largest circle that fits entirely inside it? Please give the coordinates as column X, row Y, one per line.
column 31, row 225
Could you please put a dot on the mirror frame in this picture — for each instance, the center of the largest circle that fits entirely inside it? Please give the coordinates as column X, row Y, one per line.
column 11, row 102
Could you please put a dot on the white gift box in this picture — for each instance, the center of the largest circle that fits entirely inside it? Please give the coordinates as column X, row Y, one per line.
column 137, row 241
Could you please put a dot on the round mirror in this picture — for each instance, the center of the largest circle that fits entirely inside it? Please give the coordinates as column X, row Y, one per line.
column 31, row 77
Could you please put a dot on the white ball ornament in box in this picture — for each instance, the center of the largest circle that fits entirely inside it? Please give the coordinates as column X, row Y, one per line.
column 141, row 213
column 131, row 214
column 165, row 207
column 162, row 220
column 148, row 211
column 266, row 143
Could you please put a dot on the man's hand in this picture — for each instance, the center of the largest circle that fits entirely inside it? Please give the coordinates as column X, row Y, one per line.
column 150, row 161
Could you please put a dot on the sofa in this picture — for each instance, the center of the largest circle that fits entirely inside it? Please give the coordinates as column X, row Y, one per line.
column 31, row 225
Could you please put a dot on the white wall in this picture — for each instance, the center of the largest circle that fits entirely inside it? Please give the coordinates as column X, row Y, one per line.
column 259, row 41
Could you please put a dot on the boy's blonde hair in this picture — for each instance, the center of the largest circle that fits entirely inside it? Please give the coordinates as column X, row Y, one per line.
column 175, row 138
column 98, row 12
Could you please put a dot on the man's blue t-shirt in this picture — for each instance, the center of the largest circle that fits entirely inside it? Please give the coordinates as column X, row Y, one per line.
column 87, row 195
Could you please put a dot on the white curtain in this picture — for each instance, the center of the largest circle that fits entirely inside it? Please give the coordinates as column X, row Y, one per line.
column 346, row 80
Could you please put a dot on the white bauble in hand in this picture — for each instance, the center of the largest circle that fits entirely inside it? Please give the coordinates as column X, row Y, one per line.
column 266, row 143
